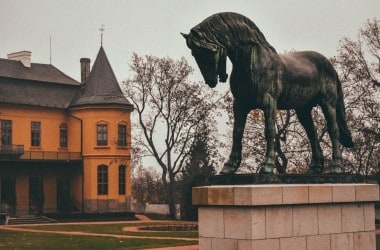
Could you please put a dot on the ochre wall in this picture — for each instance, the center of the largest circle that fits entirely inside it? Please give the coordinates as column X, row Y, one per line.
column 50, row 119
column 111, row 155
column 81, row 124
column 90, row 116
column 22, row 194
column 50, row 192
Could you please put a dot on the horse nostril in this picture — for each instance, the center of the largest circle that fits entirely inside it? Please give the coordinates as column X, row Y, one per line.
column 223, row 77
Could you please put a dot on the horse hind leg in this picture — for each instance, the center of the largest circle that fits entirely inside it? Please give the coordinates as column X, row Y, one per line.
column 329, row 111
column 317, row 159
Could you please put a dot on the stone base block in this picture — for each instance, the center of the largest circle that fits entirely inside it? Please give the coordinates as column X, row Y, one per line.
column 105, row 206
column 299, row 216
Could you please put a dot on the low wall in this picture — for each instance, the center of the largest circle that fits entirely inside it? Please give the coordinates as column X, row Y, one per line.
column 296, row 216
column 161, row 209
column 157, row 208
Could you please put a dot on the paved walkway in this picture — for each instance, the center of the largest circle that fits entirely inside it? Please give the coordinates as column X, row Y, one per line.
column 141, row 219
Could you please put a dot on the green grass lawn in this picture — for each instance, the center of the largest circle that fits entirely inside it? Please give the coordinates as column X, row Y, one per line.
column 26, row 240
column 32, row 240
column 118, row 229
column 21, row 240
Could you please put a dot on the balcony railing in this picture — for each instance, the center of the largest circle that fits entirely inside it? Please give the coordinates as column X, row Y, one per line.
column 11, row 151
column 51, row 155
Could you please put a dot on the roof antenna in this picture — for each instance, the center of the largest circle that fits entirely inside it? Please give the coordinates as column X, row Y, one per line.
column 101, row 34
column 50, row 49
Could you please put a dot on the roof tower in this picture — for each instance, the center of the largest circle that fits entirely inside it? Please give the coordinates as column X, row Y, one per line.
column 101, row 87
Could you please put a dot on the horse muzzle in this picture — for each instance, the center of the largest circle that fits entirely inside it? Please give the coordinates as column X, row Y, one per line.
column 212, row 83
column 223, row 77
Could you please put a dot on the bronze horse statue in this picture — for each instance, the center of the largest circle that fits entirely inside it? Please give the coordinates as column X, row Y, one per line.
column 263, row 79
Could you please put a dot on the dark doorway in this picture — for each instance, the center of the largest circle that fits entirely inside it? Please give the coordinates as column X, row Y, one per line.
column 63, row 194
column 7, row 195
column 36, row 195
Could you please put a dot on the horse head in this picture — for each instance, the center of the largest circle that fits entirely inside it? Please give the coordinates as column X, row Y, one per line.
column 210, row 57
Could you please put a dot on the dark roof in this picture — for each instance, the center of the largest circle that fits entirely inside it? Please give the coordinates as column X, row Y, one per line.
column 101, row 87
column 38, row 85
column 36, row 72
column 36, row 93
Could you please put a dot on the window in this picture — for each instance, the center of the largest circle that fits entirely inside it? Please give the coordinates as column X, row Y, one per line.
column 36, row 134
column 63, row 135
column 6, row 132
column 102, row 134
column 102, row 180
column 121, row 180
column 122, row 135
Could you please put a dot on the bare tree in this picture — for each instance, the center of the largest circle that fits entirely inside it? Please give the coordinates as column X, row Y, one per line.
column 147, row 186
column 199, row 167
column 170, row 110
column 358, row 63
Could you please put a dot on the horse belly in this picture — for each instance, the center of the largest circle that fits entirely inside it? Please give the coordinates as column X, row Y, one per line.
column 297, row 96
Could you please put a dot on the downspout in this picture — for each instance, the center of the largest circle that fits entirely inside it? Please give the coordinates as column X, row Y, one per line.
column 85, row 72
column 81, row 152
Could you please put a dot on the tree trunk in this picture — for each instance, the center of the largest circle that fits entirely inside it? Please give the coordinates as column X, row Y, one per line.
column 169, row 189
column 171, row 200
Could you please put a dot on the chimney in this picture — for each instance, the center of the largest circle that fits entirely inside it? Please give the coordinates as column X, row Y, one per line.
column 84, row 69
column 23, row 56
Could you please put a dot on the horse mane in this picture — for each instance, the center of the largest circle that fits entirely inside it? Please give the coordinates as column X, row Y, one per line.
column 230, row 30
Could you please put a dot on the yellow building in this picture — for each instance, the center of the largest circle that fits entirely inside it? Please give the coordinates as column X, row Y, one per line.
column 65, row 145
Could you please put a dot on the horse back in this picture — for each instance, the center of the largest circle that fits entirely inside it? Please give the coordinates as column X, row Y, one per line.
column 304, row 76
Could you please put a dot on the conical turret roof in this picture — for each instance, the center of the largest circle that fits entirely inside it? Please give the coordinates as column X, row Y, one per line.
column 101, row 87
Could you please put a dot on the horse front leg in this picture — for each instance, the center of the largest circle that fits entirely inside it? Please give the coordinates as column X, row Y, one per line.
column 240, row 117
column 270, row 106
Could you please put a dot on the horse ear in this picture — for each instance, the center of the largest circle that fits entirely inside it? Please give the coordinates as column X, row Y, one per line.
column 186, row 36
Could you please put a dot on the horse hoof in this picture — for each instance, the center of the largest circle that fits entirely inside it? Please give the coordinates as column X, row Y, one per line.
column 265, row 169
column 228, row 170
column 315, row 170
column 336, row 170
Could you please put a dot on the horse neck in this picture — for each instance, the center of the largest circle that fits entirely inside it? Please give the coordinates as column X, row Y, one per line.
column 239, row 55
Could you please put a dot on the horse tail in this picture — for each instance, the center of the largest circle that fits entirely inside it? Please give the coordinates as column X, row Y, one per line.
column 345, row 137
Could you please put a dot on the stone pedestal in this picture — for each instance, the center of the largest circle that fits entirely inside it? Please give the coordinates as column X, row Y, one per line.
column 280, row 217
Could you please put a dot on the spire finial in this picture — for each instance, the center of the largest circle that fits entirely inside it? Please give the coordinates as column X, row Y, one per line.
column 102, row 29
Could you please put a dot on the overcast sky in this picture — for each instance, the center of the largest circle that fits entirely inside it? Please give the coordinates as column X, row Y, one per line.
column 153, row 27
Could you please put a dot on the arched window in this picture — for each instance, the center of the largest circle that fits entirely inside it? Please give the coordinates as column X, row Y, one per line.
column 102, row 134
column 122, row 179
column 102, row 180
column 63, row 135
column 122, row 135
